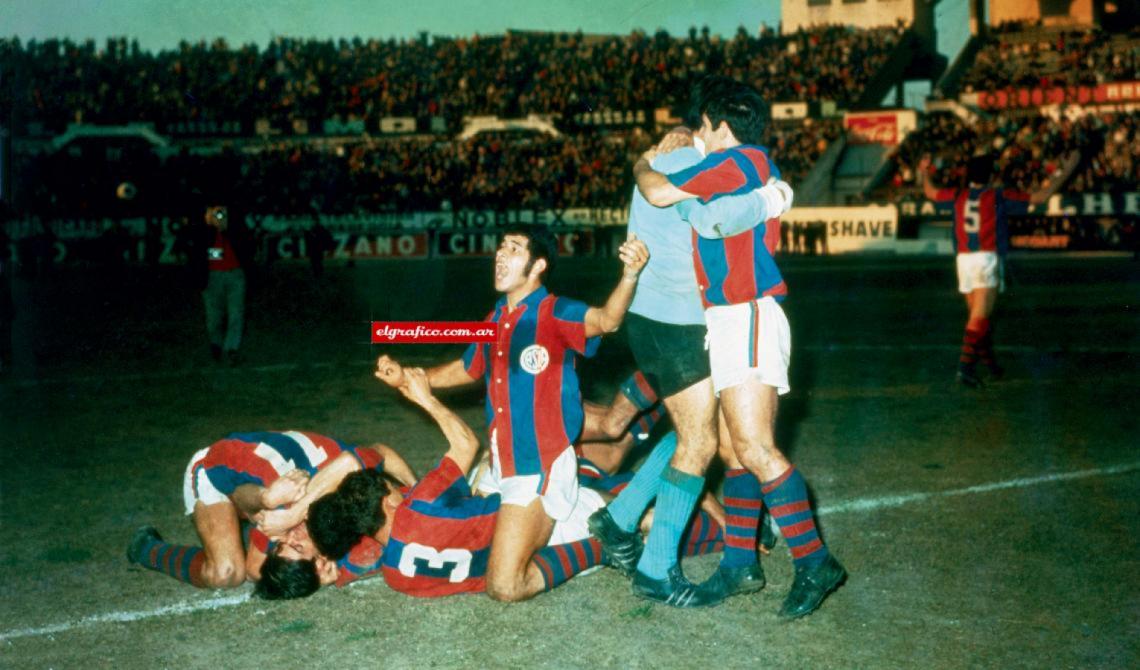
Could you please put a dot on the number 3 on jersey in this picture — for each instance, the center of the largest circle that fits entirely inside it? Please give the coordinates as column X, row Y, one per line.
column 973, row 222
column 418, row 559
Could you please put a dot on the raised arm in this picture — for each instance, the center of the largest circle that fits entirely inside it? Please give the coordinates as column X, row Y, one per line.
column 735, row 214
column 923, row 176
column 463, row 445
column 1050, row 187
column 606, row 319
column 448, row 375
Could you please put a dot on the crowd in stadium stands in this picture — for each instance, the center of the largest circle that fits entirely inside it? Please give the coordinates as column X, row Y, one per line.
column 1040, row 59
column 1028, row 150
column 488, row 171
column 1116, row 167
column 59, row 81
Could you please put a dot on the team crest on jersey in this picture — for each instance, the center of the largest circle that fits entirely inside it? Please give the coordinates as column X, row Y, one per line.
column 534, row 359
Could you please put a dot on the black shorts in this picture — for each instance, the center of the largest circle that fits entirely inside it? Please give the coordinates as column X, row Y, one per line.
column 671, row 357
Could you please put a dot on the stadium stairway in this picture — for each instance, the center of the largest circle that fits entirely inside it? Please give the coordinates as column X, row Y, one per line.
column 857, row 168
column 947, row 85
column 816, row 189
column 845, row 171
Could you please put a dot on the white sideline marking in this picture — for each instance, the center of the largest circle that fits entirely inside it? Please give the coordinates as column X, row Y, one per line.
column 871, row 504
column 857, row 505
column 116, row 617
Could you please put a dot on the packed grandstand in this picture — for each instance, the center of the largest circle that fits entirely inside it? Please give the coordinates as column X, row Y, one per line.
column 308, row 128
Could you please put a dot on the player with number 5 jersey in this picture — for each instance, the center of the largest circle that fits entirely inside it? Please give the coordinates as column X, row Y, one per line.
column 981, row 242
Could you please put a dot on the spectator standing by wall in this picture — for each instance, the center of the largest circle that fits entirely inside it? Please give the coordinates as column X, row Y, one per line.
column 221, row 252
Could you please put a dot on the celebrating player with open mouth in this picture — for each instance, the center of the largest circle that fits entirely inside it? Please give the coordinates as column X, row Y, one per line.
column 534, row 405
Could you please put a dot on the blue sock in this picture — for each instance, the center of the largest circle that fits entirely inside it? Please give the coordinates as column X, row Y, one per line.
column 628, row 508
column 676, row 499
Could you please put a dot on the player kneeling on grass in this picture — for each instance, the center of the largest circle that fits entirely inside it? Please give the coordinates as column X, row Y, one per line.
column 534, row 404
column 266, row 477
column 437, row 535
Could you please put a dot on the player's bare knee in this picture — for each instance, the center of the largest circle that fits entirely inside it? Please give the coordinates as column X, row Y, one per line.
column 223, row 574
column 613, row 427
column 694, row 455
column 758, row 456
column 505, row 590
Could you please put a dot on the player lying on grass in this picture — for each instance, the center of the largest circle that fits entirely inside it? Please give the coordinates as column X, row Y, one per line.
column 266, row 477
column 435, row 537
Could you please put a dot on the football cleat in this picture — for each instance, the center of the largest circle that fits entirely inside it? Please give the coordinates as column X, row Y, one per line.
column 623, row 548
column 736, row 580
column 142, row 537
column 675, row 590
column 811, row 586
column 967, row 377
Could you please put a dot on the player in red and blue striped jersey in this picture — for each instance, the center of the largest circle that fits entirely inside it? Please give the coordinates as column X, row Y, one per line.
column 251, row 476
column 981, row 242
column 534, row 405
column 749, row 351
column 742, row 267
column 437, row 536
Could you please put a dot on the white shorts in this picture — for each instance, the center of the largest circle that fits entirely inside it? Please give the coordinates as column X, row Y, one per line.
column 574, row 528
column 750, row 338
column 980, row 269
column 200, row 490
column 560, row 497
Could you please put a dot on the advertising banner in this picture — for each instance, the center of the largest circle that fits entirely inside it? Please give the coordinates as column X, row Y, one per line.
column 886, row 127
column 848, row 229
column 1125, row 91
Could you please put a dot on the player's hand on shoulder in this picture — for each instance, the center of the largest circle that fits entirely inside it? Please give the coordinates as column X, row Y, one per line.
column 650, row 154
column 675, row 139
column 634, row 255
column 778, row 195
column 389, row 371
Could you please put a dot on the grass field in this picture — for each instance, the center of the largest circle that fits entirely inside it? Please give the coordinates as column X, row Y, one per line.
column 991, row 528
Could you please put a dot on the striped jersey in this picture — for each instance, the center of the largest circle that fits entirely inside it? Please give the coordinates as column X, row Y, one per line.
column 440, row 537
column 980, row 216
column 261, row 457
column 533, row 405
column 364, row 560
column 740, row 268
